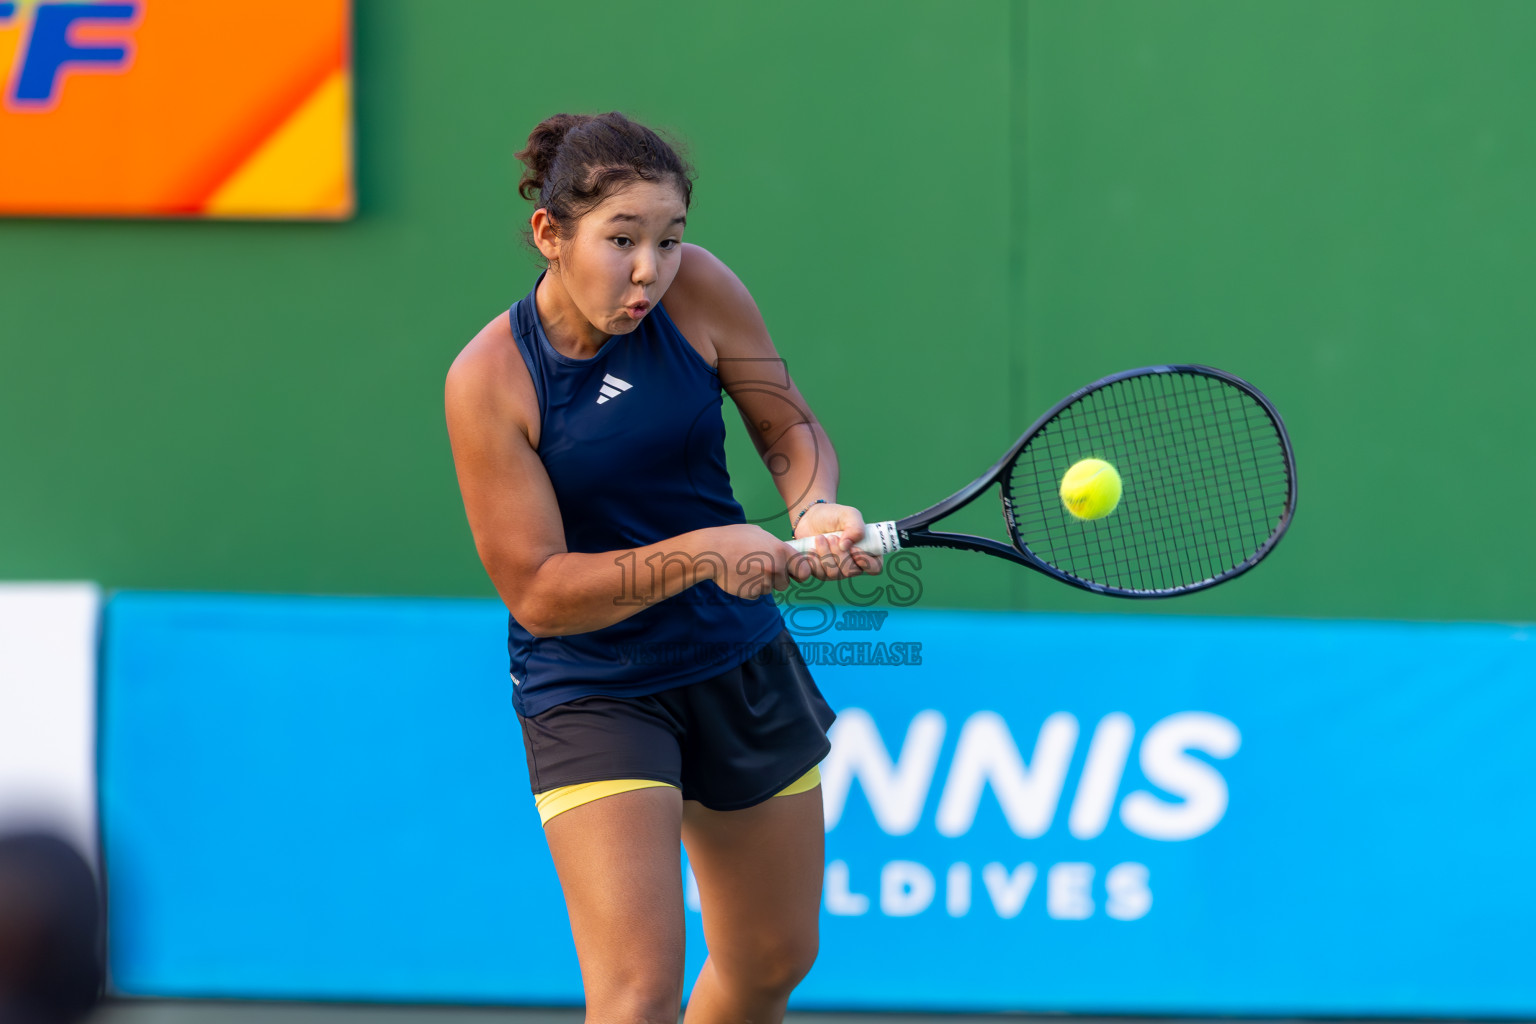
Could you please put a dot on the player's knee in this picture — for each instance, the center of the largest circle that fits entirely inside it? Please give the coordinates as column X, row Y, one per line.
column 789, row 968
column 651, row 994
column 775, row 965
column 631, row 1013
column 636, row 1004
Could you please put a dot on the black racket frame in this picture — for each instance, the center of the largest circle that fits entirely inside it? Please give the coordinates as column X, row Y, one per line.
column 914, row 533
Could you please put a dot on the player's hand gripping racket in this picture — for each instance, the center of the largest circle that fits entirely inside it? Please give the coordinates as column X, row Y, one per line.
column 1208, row 487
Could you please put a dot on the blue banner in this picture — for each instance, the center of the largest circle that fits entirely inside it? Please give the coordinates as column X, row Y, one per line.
column 326, row 798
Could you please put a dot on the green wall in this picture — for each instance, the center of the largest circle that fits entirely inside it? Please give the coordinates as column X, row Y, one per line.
column 1334, row 199
column 950, row 214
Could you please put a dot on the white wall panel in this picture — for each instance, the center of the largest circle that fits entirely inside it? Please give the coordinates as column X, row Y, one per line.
column 48, row 648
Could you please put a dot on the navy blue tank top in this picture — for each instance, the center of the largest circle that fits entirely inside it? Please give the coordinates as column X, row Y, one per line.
column 633, row 440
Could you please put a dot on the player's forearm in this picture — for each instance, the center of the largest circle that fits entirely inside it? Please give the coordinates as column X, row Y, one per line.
column 806, row 467
column 573, row 592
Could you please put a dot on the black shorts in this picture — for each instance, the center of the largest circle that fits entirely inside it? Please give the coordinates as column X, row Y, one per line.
column 728, row 742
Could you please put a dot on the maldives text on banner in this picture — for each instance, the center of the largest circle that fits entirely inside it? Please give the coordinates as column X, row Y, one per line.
column 176, row 108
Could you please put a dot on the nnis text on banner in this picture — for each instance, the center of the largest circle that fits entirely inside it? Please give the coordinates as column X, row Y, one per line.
column 1184, row 797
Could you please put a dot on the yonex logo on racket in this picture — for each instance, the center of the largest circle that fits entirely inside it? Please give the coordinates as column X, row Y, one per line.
column 612, row 387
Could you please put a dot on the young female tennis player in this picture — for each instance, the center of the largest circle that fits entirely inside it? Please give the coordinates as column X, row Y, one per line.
column 658, row 691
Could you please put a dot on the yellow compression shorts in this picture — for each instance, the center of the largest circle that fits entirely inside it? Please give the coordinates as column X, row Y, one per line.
column 563, row 798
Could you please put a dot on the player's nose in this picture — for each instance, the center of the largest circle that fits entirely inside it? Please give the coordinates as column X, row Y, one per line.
column 644, row 271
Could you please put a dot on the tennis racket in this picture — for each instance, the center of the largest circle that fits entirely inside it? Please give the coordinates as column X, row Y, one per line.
column 1208, row 475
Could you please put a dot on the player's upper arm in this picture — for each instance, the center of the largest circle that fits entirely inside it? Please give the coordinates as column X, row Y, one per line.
column 492, row 411
column 751, row 370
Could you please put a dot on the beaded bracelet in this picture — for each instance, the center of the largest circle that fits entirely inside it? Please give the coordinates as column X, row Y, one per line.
column 796, row 524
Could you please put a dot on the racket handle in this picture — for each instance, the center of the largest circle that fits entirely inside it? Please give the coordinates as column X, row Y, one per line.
column 879, row 539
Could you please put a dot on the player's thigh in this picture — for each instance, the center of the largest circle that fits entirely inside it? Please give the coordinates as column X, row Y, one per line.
column 759, row 872
column 619, row 867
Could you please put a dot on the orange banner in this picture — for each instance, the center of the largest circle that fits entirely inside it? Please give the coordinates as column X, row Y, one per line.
column 176, row 108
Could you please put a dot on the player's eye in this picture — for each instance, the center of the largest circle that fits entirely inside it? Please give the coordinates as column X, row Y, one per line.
column 670, row 244
column 623, row 242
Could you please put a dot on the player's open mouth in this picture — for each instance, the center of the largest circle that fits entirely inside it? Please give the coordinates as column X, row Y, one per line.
column 638, row 310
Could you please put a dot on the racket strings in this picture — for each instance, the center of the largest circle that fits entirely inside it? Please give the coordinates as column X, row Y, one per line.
column 1205, row 475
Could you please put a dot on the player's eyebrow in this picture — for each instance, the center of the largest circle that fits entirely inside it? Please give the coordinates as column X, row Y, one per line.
column 632, row 216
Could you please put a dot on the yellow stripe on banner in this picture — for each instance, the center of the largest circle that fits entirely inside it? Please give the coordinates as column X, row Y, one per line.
column 304, row 169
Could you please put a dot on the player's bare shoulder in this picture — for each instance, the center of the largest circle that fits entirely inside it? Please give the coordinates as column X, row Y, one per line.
column 707, row 301
column 489, row 380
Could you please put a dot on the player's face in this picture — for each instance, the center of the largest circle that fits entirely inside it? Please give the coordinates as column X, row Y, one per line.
column 623, row 255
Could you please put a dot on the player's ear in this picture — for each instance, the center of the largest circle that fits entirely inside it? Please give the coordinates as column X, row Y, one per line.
column 545, row 236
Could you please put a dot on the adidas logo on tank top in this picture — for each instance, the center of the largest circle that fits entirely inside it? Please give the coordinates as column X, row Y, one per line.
column 612, row 387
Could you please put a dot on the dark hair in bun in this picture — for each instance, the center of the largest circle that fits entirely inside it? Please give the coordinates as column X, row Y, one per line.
column 575, row 161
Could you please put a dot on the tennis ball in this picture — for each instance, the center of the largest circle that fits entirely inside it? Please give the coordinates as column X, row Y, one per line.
column 1091, row 489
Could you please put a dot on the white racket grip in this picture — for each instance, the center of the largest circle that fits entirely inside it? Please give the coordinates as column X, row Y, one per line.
column 879, row 539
